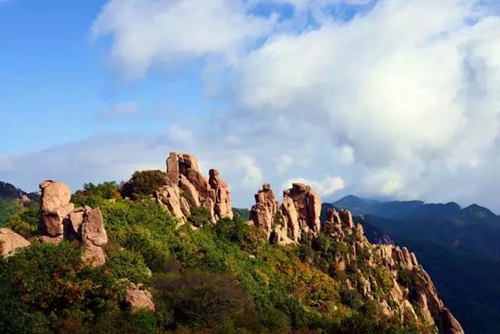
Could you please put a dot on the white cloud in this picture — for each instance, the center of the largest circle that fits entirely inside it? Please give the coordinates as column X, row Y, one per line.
column 400, row 101
column 325, row 187
column 154, row 32
column 284, row 163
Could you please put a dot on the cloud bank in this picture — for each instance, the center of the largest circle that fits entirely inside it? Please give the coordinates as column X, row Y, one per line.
column 398, row 100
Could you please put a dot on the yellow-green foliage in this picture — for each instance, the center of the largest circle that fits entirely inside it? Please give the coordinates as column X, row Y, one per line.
column 222, row 278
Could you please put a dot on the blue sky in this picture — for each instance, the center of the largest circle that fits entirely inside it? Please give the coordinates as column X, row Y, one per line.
column 350, row 96
column 55, row 79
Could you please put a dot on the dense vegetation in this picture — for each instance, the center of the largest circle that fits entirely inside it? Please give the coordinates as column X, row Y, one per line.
column 222, row 278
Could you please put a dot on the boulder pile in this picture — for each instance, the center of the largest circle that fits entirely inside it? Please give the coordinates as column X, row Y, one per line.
column 60, row 220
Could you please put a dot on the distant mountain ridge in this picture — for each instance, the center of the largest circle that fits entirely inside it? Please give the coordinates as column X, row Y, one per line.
column 412, row 209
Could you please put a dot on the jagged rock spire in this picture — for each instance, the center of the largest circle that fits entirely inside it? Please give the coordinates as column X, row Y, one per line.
column 298, row 214
column 187, row 187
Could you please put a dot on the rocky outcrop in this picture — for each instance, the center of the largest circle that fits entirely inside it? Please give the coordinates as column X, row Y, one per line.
column 10, row 242
column 187, row 187
column 55, row 205
column 306, row 203
column 284, row 224
column 299, row 214
column 139, row 299
column 60, row 220
column 418, row 297
column 265, row 209
column 93, row 237
column 222, row 205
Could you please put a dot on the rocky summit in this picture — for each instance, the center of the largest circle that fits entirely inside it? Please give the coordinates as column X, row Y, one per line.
column 290, row 267
column 187, row 187
column 297, row 217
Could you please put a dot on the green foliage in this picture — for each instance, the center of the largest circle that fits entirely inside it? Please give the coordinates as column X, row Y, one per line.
column 7, row 209
column 202, row 299
column 244, row 214
column 129, row 265
column 25, row 222
column 92, row 195
column 143, row 184
column 199, row 216
column 52, row 291
column 219, row 278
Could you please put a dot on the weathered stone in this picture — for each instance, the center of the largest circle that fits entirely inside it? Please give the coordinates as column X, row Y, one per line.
column 93, row 230
column 265, row 209
column 94, row 237
column 76, row 218
column 346, row 218
column 170, row 198
column 10, row 242
column 190, row 191
column 93, row 255
column 55, row 205
column 47, row 239
column 139, row 299
column 291, row 215
column 54, row 195
column 314, row 211
column 172, row 169
column 449, row 323
column 223, row 207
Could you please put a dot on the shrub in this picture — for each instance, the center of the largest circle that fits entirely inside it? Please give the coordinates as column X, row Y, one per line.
column 143, row 184
column 199, row 298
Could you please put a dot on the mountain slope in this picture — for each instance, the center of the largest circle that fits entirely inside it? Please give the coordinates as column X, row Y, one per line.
column 179, row 261
column 459, row 248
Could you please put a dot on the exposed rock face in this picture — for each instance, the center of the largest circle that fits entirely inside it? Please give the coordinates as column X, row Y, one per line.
column 307, row 203
column 139, row 299
column 94, row 237
column 10, row 242
column 55, row 205
column 285, row 224
column 223, row 207
column 265, row 209
column 300, row 214
column 60, row 220
column 170, row 198
column 398, row 261
column 187, row 187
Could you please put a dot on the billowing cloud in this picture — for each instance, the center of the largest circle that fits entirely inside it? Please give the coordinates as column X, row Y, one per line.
column 326, row 187
column 148, row 33
column 400, row 100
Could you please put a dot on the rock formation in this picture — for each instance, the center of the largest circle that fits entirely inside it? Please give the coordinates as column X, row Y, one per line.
column 265, row 209
column 10, row 242
column 187, row 187
column 139, row 299
column 300, row 214
column 423, row 299
column 55, row 205
column 307, row 205
column 60, row 220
